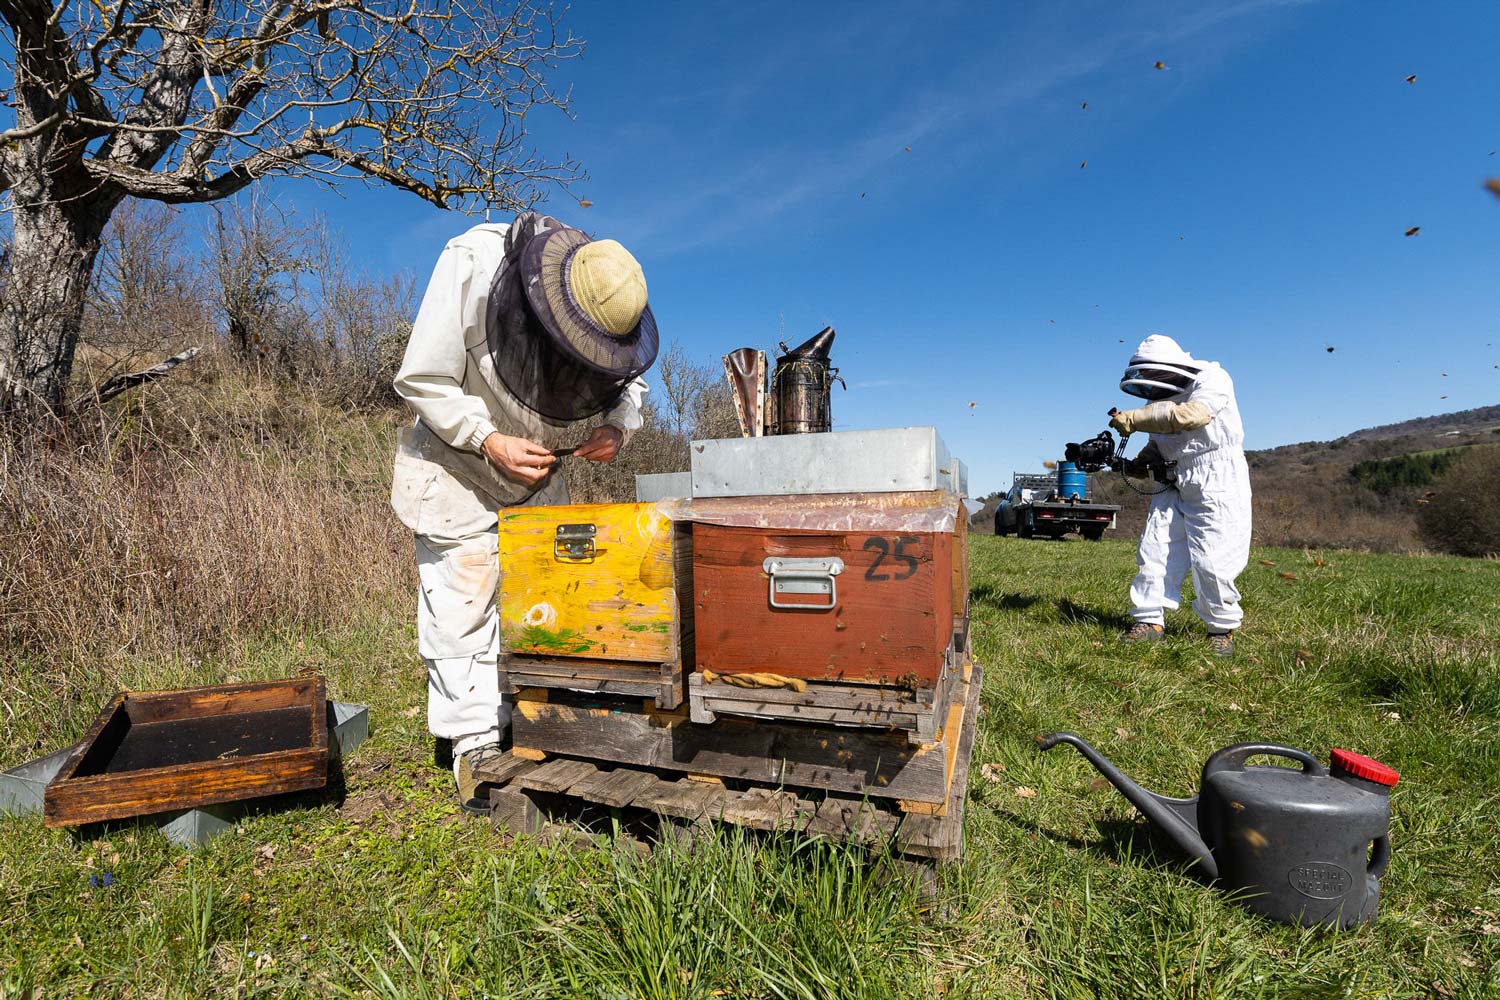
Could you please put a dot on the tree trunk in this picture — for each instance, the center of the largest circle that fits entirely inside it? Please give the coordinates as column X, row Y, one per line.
column 46, row 277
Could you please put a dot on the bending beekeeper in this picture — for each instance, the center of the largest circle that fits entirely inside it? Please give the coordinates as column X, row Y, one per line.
column 1202, row 521
column 525, row 332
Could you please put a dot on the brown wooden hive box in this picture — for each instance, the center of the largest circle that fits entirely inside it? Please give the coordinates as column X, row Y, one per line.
column 157, row 751
column 855, row 588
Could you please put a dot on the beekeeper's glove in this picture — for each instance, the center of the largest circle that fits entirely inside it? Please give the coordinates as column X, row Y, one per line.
column 1162, row 418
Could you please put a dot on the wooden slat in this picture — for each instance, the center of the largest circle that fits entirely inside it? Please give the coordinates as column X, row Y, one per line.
column 767, row 809
column 634, row 687
column 857, row 820
column 557, row 777
column 941, row 837
column 882, row 764
column 499, row 770
column 865, row 697
column 919, row 714
column 616, row 789
column 664, row 682
column 807, row 713
column 684, row 799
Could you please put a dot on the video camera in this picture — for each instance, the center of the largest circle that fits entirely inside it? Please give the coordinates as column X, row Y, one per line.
column 1101, row 451
column 1092, row 455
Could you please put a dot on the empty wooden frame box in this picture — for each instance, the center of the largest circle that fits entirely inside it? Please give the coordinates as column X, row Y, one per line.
column 596, row 597
column 155, row 751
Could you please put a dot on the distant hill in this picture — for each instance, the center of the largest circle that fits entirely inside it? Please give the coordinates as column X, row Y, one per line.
column 1310, row 494
column 1484, row 420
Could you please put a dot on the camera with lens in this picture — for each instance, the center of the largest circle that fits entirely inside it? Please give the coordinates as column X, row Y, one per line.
column 1091, row 455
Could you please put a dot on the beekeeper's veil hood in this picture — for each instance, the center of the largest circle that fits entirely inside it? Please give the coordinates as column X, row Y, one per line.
column 568, row 325
column 1160, row 369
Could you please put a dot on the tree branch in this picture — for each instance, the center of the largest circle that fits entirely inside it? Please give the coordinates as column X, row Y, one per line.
column 197, row 99
column 117, row 384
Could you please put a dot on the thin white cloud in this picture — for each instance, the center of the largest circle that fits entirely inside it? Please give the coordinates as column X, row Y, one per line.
column 974, row 99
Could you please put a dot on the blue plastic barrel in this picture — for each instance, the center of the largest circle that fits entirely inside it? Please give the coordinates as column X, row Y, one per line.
column 1072, row 482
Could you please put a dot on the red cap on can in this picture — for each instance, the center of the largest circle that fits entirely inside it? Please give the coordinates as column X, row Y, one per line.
column 1361, row 766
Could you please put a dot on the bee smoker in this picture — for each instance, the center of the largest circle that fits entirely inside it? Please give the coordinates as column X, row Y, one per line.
column 802, row 386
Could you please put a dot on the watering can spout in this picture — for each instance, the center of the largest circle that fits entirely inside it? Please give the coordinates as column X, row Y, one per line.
column 1178, row 818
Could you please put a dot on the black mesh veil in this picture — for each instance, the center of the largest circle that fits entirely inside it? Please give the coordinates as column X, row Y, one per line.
column 532, row 363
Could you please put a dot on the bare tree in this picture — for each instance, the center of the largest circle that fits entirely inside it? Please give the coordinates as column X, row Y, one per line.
column 362, row 324
column 146, row 297
column 194, row 100
column 714, row 414
column 256, row 255
column 683, row 383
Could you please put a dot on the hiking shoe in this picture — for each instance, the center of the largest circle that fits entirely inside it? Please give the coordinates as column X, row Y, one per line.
column 1222, row 644
column 473, row 793
column 1144, row 632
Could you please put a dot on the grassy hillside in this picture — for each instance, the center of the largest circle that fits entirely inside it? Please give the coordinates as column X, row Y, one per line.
column 391, row 893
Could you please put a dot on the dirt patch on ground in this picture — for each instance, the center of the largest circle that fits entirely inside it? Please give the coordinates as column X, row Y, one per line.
column 371, row 804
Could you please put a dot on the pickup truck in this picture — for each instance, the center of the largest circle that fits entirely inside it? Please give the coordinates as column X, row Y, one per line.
column 1034, row 507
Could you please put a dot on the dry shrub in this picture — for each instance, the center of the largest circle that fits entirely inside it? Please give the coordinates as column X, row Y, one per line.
column 1463, row 514
column 1295, row 514
column 194, row 518
column 653, row 448
column 695, row 403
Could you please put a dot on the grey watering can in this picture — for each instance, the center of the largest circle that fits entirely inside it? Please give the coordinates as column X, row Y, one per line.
column 1302, row 846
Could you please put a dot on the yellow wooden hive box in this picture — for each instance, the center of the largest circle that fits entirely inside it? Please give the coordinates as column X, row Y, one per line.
column 596, row 597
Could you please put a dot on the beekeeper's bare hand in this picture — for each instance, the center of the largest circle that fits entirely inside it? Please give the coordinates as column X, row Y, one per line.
column 521, row 461
column 602, row 445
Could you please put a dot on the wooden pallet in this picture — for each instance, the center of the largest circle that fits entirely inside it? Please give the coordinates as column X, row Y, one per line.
column 863, row 762
column 530, row 794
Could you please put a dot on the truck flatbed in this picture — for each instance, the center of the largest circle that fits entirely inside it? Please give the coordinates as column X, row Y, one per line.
column 1055, row 518
column 1033, row 508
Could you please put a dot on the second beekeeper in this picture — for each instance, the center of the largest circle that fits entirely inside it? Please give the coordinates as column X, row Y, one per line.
column 1200, row 520
column 525, row 332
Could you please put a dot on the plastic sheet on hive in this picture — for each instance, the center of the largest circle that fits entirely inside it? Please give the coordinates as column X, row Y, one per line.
column 926, row 511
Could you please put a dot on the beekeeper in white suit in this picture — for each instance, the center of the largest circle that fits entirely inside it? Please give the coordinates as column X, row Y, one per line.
column 1200, row 521
column 525, row 332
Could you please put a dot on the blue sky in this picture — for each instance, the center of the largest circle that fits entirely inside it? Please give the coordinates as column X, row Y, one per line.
column 1249, row 200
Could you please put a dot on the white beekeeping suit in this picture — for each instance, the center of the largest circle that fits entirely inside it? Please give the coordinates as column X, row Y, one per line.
column 1202, row 524
column 449, row 494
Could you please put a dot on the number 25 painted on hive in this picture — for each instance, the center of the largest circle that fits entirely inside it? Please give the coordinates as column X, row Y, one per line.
column 894, row 549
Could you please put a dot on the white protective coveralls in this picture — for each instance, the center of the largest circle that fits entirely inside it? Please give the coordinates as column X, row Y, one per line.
column 449, row 494
column 1204, row 523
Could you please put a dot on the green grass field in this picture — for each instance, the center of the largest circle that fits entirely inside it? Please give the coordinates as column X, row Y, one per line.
column 393, row 894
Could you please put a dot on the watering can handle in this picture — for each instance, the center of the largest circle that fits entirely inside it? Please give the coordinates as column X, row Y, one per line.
column 1381, row 856
column 1232, row 758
